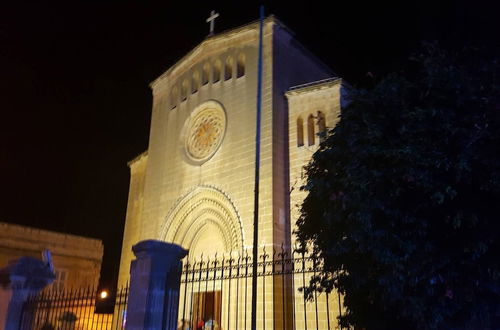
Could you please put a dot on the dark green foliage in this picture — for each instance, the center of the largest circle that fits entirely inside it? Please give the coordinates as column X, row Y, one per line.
column 404, row 198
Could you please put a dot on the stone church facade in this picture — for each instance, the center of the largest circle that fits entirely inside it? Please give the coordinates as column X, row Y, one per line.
column 194, row 186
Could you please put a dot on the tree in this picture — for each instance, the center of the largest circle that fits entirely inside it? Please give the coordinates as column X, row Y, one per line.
column 403, row 199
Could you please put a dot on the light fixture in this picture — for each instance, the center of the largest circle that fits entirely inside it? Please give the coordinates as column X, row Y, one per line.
column 103, row 294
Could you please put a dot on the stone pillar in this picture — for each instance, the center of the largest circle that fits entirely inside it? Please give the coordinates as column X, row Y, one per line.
column 22, row 278
column 154, row 286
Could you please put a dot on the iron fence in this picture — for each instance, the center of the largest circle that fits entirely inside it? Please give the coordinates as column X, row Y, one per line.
column 76, row 309
column 215, row 292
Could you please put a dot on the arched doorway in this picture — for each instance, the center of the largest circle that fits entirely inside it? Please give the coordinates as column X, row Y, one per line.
column 206, row 222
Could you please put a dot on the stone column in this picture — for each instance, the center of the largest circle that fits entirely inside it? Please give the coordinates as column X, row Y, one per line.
column 22, row 278
column 154, row 286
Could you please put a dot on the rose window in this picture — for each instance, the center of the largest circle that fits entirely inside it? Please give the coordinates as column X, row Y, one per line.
column 205, row 131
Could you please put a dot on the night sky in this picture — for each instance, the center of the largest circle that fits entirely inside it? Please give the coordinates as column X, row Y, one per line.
column 75, row 102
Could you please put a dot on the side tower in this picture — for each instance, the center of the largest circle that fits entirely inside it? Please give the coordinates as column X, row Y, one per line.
column 313, row 108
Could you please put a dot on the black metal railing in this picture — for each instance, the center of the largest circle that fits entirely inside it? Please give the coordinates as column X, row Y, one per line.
column 75, row 309
column 215, row 292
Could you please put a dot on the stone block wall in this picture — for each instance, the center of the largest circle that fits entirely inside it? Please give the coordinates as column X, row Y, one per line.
column 78, row 257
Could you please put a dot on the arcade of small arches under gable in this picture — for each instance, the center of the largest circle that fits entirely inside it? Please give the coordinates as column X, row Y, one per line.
column 212, row 71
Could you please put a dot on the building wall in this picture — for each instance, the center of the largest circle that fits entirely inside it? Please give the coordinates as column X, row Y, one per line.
column 303, row 102
column 293, row 65
column 174, row 187
column 76, row 259
column 169, row 176
column 135, row 203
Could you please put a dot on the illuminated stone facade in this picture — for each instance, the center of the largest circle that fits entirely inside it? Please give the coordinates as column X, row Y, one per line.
column 76, row 259
column 195, row 184
column 312, row 108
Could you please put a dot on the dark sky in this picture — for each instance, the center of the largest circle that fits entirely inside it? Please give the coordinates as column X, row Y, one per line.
column 75, row 102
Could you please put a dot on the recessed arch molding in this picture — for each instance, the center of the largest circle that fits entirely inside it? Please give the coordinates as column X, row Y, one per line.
column 201, row 207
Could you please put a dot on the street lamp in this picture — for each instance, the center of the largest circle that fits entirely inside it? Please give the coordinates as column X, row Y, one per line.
column 104, row 294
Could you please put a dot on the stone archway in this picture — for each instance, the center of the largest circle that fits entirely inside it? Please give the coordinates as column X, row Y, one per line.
column 204, row 221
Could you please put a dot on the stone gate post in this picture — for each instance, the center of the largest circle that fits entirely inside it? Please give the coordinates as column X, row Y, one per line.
column 23, row 277
column 154, row 286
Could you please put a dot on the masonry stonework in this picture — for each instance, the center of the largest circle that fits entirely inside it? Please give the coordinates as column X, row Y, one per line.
column 77, row 260
column 207, row 206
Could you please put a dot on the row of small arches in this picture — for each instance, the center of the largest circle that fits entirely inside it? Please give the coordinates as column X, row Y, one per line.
column 312, row 134
column 210, row 72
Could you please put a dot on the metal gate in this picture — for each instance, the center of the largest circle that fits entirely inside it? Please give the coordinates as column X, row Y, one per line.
column 74, row 310
column 215, row 293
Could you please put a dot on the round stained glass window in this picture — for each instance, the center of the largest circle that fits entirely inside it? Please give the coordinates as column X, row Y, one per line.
column 205, row 131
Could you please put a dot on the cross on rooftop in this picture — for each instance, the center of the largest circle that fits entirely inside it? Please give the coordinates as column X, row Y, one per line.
column 211, row 20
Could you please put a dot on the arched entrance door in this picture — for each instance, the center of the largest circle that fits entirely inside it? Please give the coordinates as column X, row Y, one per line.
column 205, row 222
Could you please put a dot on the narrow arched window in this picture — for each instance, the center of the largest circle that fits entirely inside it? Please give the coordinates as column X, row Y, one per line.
column 321, row 126
column 240, row 66
column 228, row 68
column 205, row 73
column 195, row 82
column 300, row 132
column 216, row 72
column 174, row 97
column 310, row 130
column 184, row 89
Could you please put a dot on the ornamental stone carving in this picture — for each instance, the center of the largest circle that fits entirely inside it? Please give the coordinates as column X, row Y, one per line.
column 206, row 213
column 205, row 130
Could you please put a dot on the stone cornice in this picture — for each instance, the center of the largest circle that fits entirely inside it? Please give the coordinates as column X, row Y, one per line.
column 313, row 86
column 141, row 156
column 27, row 239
